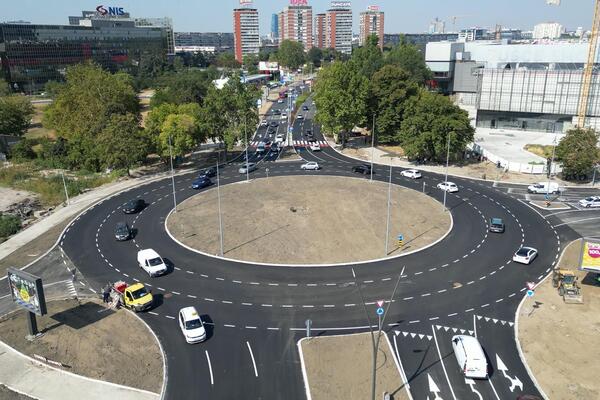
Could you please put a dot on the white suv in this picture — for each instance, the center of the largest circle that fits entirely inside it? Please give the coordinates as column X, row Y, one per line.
column 151, row 262
column 191, row 325
column 449, row 187
column 411, row 173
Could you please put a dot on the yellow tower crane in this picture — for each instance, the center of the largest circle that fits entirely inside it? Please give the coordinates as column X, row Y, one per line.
column 589, row 68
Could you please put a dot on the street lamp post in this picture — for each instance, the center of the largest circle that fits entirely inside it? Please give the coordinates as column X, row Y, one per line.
column 247, row 146
column 172, row 174
column 550, row 167
column 375, row 343
column 62, row 173
column 447, row 162
column 387, row 226
column 372, row 146
column 219, row 201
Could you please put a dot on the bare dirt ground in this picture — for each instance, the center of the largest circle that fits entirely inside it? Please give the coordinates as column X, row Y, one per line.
column 92, row 341
column 11, row 196
column 7, row 394
column 339, row 368
column 561, row 341
column 308, row 220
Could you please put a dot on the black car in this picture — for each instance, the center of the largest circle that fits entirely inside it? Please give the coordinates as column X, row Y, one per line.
column 122, row 231
column 362, row 169
column 304, row 108
column 308, row 133
column 201, row 182
column 273, row 124
column 276, row 112
column 208, row 172
column 134, row 206
column 497, row 225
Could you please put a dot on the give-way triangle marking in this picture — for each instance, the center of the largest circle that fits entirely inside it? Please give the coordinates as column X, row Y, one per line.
column 413, row 335
column 379, row 303
column 495, row 320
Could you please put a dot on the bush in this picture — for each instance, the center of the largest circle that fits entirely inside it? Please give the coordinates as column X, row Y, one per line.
column 23, row 150
column 9, row 225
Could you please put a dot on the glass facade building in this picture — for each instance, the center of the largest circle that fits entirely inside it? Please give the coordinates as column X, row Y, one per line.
column 32, row 55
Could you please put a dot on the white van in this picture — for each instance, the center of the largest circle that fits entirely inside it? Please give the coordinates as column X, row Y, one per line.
column 544, row 187
column 470, row 356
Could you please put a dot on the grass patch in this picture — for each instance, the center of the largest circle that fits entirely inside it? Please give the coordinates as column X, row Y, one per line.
column 49, row 184
column 540, row 150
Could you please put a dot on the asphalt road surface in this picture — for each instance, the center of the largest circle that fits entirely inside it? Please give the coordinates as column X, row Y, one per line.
column 467, row 283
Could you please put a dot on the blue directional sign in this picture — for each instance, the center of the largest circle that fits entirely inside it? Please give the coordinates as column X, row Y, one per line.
column 530, row 293
column 400, row 237
column 380, row 311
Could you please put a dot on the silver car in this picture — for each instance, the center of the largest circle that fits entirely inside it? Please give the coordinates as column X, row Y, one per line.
column 247, row 167
column 311, row 165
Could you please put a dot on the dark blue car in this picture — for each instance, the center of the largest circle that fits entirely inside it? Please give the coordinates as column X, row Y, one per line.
column 201, row 182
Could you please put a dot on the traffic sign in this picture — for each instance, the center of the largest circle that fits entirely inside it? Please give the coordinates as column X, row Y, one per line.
column 380, row 311
column 379, row 303
column 530, row 293
column 400, row 237
column 530, row 285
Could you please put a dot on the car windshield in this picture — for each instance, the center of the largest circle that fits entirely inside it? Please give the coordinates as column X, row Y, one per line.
column 523, row 251
column 590, row 199
column 496, row 221
column 138, row 294
column 193, row 324
column 153, row 262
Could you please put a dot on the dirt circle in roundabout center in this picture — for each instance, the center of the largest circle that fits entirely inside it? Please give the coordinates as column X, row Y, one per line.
column 308, row 220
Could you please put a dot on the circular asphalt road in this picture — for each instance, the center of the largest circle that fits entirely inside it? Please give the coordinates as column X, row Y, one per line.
column 256, row 313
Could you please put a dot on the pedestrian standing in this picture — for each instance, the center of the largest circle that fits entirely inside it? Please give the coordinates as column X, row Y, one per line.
column 106, row 293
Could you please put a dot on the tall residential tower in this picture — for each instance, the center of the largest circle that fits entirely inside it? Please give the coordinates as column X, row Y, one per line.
column 338, row 27
column 245, row 32
column 371, row 23
column 296, row 24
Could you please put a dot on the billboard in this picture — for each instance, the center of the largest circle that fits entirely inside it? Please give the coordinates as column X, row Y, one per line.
column 590, row 255
column 270, row 66
column 27, row 291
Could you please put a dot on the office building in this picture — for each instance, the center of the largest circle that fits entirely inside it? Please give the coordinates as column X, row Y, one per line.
column 274, row 33
column 211, row 42
column 371, row 23
column 245, row 32
column 164, row 23
column 548, row 30
column 33, row 54
column 437, row 26
column 338, row 27
column 529, row 86
column 471, row 34
column 296, row 24
column 320, row 30
column 417, row 39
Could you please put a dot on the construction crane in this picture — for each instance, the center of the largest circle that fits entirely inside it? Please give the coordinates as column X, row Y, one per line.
column 589, row 68
column 454, row 18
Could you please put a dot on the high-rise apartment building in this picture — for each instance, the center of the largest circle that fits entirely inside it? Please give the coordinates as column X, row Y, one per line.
column 274, row 33
column 320, row 30
column 371, row 23
column 245, row 32
column 338, row 27
column 296, row 24
column 548, row 30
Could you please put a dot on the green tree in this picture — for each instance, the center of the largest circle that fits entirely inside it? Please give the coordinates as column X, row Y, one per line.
column 290, row 54
column 83, row 107
column 227, row 60
column 410, row 59
column 9, row 225
column 53, row 88
column 578, row 151
column 391, row 87
column 368, row 59
column 314, row 56
column 178, row 130
column 121, row 143
column 156, row 118
column 428, row 120
column 341, row 98
column 251, row 64
column 15, row 115
column 182, row 87
column 4, row 88
column 23, row 150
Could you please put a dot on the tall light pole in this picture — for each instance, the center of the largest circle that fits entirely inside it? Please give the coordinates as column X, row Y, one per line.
column 447, row 162
column 550, row 168
column 372, row 146
column 247, row 146
column 62, row 173
column 219, row 201
column 375, row 343
column 172, row 174
column 387, row 226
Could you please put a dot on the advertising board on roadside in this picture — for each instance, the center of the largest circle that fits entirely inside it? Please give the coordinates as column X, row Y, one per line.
column 590, row 255
column 27, row 291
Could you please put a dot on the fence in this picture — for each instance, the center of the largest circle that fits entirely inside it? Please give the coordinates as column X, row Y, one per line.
column 515, row 166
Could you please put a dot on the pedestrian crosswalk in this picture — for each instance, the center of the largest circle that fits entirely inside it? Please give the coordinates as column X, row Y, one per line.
column 297, row 143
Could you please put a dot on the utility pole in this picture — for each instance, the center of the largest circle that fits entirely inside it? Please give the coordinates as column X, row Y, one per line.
column 387, row 226
column 446, row 178
column 372, row 146
column 62, row 173
column 219, row 201
column 550, row 168
column 247, row 146
column 172, row 174
column 375, row 343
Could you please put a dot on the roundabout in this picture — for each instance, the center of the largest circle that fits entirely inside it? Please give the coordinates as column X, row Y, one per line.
column 308, row 220
column 255, row 315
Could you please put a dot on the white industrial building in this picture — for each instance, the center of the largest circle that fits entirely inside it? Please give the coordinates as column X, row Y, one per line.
column 548, row 30
column 516, row 86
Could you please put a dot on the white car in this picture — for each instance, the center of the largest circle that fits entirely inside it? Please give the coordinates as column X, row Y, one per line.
column 525, row 255
column 280, row 138
column 280, row 101
column 470, row 356
column 311, row 165
column 593, row 201
column 300, row 116
column 314, row 146
column 191, row 325
column 449, row 187
column 263, row 122
column 411, row 173
column 151, row 262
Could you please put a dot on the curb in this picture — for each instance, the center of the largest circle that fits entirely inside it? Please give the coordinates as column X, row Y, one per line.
column 346, row 264
column 303, row 366
column 449, row 174
column 516, row 327
column 39, row 363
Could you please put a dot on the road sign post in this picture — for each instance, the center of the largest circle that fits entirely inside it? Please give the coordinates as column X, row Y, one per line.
column 400, row 240
column 308, row 323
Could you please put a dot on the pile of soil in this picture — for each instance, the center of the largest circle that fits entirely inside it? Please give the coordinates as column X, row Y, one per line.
column 93, row 341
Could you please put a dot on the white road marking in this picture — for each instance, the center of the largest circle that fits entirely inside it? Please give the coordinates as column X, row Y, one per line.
column 253, row 361
column 212, row 381
column 442, row 362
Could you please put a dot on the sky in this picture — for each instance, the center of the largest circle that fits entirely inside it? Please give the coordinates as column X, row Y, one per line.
column 401, row 16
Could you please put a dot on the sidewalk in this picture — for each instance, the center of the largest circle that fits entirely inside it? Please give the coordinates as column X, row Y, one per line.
column 76, row 205
column 22, row 374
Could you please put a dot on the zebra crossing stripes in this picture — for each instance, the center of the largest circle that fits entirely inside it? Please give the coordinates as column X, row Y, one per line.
column 306, row 143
